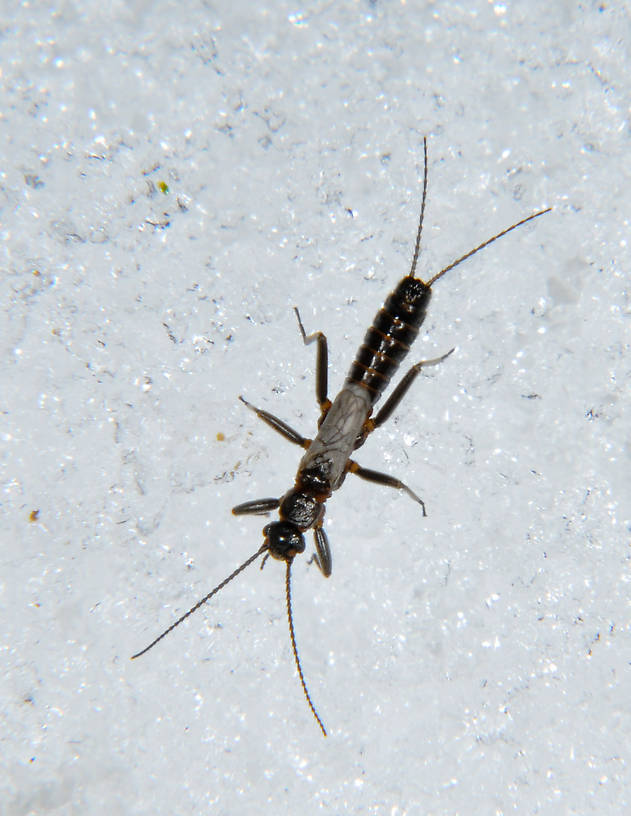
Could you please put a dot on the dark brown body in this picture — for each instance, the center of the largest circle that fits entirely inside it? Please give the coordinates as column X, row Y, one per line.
column 343, row 427
column 388, row 340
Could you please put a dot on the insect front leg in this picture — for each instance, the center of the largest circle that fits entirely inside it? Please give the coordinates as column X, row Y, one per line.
column 257, row 507
column 322, row 363
column 322, row 555
column 385, row 479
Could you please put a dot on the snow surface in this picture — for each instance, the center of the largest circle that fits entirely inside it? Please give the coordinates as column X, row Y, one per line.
column 175, row 177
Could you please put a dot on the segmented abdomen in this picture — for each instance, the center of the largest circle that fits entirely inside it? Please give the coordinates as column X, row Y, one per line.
column 390, row 337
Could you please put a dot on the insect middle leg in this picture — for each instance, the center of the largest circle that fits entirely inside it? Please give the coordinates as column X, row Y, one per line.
column 385, row 479
column 322, row 363
column 384, row 414
column 278, row 425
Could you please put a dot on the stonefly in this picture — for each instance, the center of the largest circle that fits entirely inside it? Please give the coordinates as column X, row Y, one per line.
column 344, row 426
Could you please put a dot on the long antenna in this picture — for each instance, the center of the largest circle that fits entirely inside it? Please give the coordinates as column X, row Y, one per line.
column 420, row 221
column 482, row 245
column 290, row 618
column 203, row 601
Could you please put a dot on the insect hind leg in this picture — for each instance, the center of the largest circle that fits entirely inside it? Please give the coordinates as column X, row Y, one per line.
column 322, row 364
column 401, row 390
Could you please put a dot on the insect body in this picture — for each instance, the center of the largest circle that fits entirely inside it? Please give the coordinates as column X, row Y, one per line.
column 343, row 427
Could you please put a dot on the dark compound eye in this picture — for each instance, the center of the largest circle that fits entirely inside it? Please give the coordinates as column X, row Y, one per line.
column 284, row 540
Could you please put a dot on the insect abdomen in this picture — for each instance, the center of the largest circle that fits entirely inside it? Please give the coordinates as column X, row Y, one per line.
column 390, row 337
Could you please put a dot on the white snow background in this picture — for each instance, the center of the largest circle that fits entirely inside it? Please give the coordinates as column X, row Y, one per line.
column 174, row 178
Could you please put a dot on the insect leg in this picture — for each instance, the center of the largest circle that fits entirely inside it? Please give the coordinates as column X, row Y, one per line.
column 377, row 477
column 401, row 390
column 322, row 555
column 321, row 364
column 258, row 507
column 278, row 425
